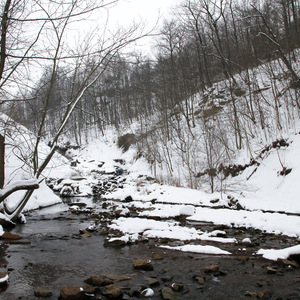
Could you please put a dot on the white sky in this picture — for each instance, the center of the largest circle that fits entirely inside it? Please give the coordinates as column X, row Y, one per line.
column 148, row 11
column 127, row 10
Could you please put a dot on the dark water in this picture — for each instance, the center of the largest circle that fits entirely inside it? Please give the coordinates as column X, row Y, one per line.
column 56, row 256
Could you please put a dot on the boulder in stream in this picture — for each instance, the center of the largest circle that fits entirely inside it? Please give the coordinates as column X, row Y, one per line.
column 143, row 264
column 72, row 293
column 113, row 292
column 42, row 293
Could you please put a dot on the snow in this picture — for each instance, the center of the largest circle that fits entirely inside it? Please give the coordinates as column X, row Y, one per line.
column 17, row 171
column 267, row 201
column 270, row 222
column 1, row 229
column 246, row 240
column 266, row 190
column 168, row 229
column 274, row 254
column 15, row 184
column 199, row 249
column 41, row 197
column 266, row 197
column 147, row 292
column 4, row 279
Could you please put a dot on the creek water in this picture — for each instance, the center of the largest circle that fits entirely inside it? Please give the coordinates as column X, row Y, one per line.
column 54, row 255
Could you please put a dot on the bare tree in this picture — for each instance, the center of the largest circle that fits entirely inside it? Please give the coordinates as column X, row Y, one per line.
column 47, row 45
column 271, row 37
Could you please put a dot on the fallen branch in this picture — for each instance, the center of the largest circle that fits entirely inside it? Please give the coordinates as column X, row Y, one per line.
column 18, row 185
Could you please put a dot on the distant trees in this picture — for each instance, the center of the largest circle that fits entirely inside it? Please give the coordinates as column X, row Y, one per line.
column 202, row 76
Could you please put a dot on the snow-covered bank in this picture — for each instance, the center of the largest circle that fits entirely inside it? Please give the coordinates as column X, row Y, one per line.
column 19, row 144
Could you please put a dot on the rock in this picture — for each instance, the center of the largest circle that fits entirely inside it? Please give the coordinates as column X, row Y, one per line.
column 243, row 258
column 10, row 236
column 200, row 279
column 5, row 222
column 84, row 233
column 177, row 287
column 214, row 201
column 125, row 141
column 168, row 294
column 143, row 264
column 288, row 263
column 114, row 243
column 157, row 256
column 90, row 290
column 18, row 242
column 116, row 277
column 271, row 270
column 136, row 291
column 167, row 278
column 43, row 293
column 211, row 269
column 251, row 294
column 266, row 294
column 128, row 199
column 3, row 278
column 112, row 291
column 98, row 281
column 295, row 257
column 152, row 281
column 72, row 293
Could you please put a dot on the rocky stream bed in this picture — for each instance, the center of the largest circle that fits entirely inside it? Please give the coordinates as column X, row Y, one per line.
column 65, row 252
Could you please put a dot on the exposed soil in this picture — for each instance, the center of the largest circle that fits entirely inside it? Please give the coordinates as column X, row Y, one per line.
column 53, row 254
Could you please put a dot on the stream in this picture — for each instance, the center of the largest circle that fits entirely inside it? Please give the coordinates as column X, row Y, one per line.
column 52, row 253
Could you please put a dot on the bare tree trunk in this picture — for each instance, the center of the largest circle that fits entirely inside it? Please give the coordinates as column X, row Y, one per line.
column 4, row 27
column 2, row 154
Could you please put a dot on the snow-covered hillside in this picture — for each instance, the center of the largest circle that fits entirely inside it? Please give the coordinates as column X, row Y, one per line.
column 255, row 186
column 262, row 198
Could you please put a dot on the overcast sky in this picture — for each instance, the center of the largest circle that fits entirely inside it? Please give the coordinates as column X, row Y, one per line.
column 124, row 13
column 127, row 10
column 149, row 11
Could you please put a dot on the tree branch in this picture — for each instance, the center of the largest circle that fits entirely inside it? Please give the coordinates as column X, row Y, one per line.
column 18, row 185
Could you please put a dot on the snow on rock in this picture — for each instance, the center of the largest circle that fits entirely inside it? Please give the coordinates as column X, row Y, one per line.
column 246, row 241
column 199, row 249
column 3, row 278
column 187, row 210
column 163, row 229
column 273, row 254
column 166, row 194
column 147, row 293
column 1, row 229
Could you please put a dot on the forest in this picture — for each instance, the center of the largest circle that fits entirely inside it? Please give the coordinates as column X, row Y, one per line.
column 222, row 73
